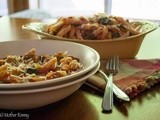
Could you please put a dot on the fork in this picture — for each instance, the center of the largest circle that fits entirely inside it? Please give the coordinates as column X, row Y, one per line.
column 112, row 68
column 117, row 91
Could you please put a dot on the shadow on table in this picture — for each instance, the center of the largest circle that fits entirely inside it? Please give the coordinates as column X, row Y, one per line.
column 140, row 101
column 74, row 107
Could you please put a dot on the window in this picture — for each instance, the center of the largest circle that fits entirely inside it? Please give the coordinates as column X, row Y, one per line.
column 139, row 9
column 3, row 8
column 72, row 7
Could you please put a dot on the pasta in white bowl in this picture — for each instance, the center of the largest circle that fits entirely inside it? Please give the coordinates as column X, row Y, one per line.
column 46, row 62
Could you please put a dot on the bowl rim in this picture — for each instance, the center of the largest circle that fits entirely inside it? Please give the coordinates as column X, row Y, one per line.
column 44, row 89
column 56, row 80
column 28, row 27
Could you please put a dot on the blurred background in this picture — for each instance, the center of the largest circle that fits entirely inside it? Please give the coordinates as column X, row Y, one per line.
column 46, row 9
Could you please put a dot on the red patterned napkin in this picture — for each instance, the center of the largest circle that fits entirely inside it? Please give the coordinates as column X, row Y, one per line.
column 134, row 76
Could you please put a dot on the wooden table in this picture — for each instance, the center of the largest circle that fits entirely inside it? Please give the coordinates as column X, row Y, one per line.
column 85, row 104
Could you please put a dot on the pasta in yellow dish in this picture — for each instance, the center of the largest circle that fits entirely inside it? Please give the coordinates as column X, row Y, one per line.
column 98, row 27
column 32, row 68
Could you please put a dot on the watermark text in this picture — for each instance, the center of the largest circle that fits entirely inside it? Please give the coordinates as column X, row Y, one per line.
column 14, row 115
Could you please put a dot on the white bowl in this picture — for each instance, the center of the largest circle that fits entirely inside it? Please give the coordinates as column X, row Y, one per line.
column 33, row 98
column 88, row 57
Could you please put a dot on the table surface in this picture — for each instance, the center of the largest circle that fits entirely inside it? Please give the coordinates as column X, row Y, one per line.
column 85, row 103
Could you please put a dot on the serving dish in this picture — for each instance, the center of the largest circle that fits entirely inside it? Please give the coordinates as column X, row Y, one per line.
column 124, row 47
column 39, row 97
column 88, row 57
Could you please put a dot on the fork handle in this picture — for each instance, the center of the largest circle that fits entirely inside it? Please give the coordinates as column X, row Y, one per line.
column 107, row 103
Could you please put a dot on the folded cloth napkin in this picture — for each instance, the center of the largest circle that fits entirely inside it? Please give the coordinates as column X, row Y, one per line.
column 134, row 76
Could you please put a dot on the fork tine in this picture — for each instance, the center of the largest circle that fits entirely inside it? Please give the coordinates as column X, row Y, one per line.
column 112, row 65
column 117, row 63
column 109, row 64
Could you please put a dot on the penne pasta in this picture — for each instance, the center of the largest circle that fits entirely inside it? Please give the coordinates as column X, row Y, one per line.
column 72, row 32
column 98, row 27
column 64, row 30
column 78, row 34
